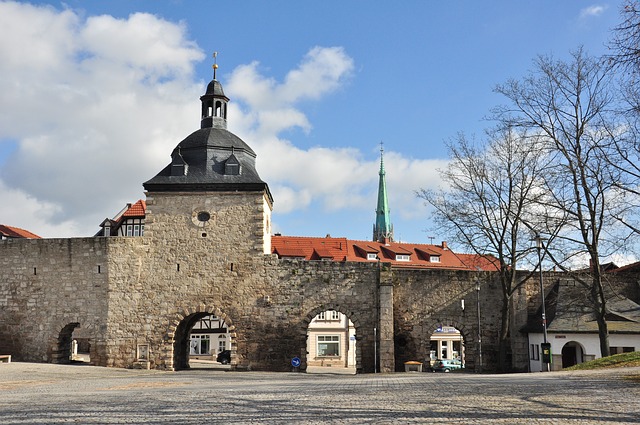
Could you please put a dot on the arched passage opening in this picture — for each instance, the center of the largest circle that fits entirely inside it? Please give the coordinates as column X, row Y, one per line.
column 73, row 345
column 572, row 354
column 446, row 349
column 331, row 342
column 202, row 336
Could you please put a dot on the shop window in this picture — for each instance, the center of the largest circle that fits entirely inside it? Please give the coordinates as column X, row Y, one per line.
column 328, row 345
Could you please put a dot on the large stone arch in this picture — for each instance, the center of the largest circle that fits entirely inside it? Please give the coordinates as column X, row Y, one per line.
column 351, row 314
column 175, row 351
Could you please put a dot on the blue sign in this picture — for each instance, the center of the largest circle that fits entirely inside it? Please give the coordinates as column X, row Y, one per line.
column 295, row 362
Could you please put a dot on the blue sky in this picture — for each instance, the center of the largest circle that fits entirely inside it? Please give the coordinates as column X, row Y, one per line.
column 97, row 94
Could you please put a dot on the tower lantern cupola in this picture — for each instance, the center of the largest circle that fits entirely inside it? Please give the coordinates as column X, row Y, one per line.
column 214, row 103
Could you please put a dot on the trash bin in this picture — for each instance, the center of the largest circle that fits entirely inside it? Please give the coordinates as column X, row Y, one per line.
column 413, row 366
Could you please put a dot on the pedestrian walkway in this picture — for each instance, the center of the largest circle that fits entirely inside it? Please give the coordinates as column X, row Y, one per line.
column 56, row 394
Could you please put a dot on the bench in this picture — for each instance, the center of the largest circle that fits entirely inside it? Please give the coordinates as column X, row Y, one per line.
column 413, row 366
column 5, row 358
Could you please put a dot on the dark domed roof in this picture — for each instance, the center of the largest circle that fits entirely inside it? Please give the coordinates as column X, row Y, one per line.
column 214, row 88
column 212, row 158
column 213, row 137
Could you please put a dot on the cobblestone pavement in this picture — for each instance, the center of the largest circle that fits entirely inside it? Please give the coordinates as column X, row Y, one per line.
column 55, row 394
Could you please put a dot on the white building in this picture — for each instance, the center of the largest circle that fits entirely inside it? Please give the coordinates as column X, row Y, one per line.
column 572, row 330
column 331, row 340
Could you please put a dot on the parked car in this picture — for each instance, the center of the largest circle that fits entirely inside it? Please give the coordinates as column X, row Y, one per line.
column 224, row 357
column 446, row 365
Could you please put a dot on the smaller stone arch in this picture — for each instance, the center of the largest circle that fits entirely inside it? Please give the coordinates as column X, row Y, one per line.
column 467, row 346
column 176, row 345
column 60, row 342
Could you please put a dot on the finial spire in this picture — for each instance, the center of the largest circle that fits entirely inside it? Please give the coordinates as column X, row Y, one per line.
column 382, row 229
column 215, row 64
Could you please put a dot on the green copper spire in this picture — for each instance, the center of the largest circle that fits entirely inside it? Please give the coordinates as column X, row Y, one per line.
column 383, row 229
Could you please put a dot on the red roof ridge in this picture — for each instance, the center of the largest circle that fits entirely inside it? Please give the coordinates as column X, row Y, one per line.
column 17, row 232
column 138, row 209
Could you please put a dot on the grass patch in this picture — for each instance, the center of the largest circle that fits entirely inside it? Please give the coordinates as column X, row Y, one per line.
column 617, row 360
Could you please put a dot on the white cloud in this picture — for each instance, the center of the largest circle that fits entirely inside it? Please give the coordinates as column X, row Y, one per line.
column 96, row 105
column 95, row 110
column 18, row 209
column 593, row 10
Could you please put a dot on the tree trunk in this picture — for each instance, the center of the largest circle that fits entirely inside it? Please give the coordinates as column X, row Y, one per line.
column 600, row 310
column 504, row 343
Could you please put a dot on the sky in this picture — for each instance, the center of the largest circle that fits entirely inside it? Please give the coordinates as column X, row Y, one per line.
column 96, row 94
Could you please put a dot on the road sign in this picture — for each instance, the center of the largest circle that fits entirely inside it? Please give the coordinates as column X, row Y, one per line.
column 295, row 362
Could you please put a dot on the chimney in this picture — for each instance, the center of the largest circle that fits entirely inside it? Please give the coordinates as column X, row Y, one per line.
column 444, row 245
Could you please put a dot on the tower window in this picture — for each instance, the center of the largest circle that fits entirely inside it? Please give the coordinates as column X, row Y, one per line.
column 232, row 169
column 204, row 216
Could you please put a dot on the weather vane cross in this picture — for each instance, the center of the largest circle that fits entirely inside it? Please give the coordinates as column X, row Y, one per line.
column 215, row 64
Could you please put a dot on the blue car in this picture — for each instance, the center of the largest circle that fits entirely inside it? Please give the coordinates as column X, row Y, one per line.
column 446, row 365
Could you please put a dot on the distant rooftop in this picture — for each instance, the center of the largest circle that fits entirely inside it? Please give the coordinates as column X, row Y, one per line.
column 399, row 254
column 9, row 232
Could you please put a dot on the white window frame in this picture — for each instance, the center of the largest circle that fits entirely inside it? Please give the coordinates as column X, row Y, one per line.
column 434, row 258
column 222, row 343
column 196, row 350
column 335, row 315
column 372, row 256
column 329, row 339
column 403, row 257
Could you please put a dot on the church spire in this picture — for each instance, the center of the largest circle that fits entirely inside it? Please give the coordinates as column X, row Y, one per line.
column 382, row 229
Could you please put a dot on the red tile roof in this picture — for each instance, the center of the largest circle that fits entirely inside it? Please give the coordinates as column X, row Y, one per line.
column 136, row 210
column 342, row 249
column 16, row 232
column 309, row 248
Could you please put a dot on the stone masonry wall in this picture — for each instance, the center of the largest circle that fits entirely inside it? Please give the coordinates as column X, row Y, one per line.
column 236, row 225
column 268, row 303
column 426, row 299
column 47, row 284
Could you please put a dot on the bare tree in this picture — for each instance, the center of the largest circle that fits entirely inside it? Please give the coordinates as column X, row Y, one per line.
column 570, row 105
column 491, row 191
column 625, row 60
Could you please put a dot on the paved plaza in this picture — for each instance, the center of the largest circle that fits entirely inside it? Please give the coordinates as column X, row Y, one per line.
column 56, row 394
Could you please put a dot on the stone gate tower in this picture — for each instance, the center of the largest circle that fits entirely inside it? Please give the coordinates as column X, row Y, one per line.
column 211, row 188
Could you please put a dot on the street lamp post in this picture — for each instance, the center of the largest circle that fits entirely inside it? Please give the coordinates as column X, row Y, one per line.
column 539, row 247
column 479, row 330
